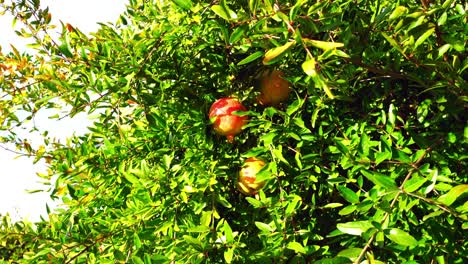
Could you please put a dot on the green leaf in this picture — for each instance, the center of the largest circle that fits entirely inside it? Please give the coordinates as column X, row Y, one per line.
column 414, row 183
column 309, row 67
column 351, row 253
column 324, row 45
column 391, row 115
column 453, row 194
column 236, row 35
column 65, row 49
column 119, row 255
column 197, row 244
column 253, row 4
column 399, row 11
column 297, row 247
column 401, row 156
column 268, row 137
column 423, row 37
column 443, row 50
column 276, row 53
column 380, row 179
column 251, row 58
column 400, row 237
column 293, row 107
column 264, row 227
column 185, row 4
column 347, row 210
column 393, row 42
column 224, row 12
column 363, row 147
column 228, row 232
column 355, row 228
column 132, row 179
column 228, row 255
column 332, row 205
column 136, row 241
column 254, row 202
column 442, row 19
column 348, row 194
column 137, row 260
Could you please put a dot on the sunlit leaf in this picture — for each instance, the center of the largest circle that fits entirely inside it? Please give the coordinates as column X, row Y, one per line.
column 423, row 37
column 397, row 12
column 380, row 179
column 355, row 228
column 401, row 237
column 264, row 227
column 323, row 44
column 456, row 192
column 414, row 183
column 223, row 12
column 297, row 247
column 276, row 52
column 185, row 4
column 348, row 194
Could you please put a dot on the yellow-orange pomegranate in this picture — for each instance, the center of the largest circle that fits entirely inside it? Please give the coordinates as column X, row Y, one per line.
column 247, row 182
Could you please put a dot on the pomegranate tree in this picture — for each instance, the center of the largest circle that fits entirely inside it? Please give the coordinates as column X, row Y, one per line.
column 247, row 182
column 226, row 122
column 274, row 89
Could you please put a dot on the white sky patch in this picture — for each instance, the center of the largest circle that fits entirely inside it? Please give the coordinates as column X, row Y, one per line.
column 17, row 175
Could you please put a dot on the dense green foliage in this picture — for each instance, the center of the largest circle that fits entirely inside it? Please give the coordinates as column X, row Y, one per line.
column 366, row 160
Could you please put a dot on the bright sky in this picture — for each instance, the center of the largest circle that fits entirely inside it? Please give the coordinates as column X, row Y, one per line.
column 19, row 174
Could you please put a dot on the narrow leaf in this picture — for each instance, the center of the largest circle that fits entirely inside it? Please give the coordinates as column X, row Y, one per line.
column 253, row 4
column 236, row 35
column 131, row 178
column 399, row 10
column 423, row 37
column 276, row 52
column 309, row 68
column 392, row 42
column 251, row 57
column 324, row 45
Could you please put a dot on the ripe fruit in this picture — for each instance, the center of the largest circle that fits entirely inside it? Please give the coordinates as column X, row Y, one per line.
column 247, row 182
column 273, row 88
column 227, row 123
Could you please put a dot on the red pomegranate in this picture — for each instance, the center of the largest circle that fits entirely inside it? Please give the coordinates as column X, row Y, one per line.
column 226, row 122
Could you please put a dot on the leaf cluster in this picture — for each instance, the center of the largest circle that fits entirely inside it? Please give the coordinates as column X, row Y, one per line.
column 366, row 159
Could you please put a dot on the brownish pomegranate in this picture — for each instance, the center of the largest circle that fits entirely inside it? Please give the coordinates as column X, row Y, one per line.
column 226, row 122
column 274, row 89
